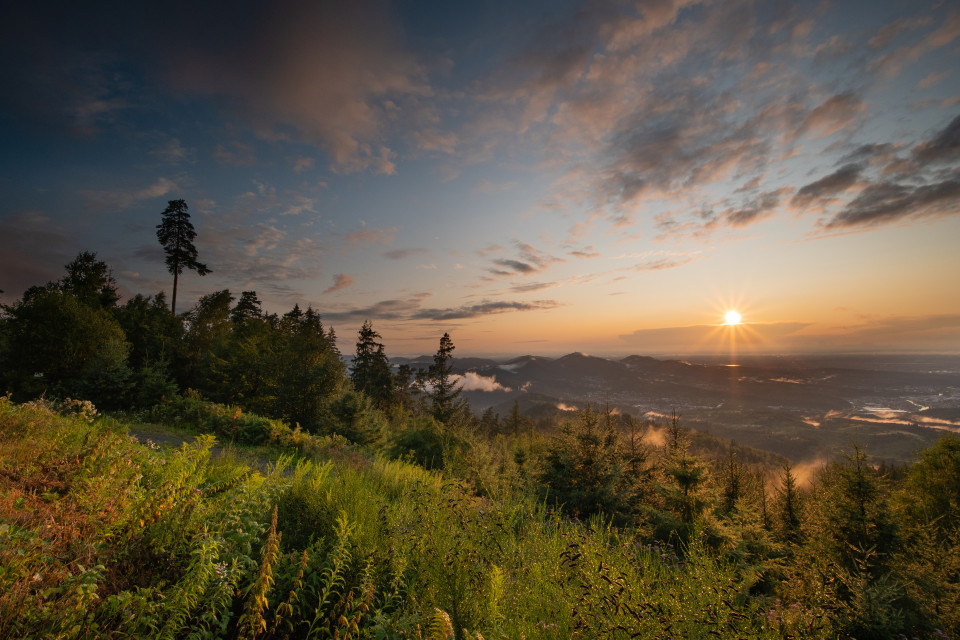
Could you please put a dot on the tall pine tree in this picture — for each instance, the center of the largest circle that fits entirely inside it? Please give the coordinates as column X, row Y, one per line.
column 176, row 233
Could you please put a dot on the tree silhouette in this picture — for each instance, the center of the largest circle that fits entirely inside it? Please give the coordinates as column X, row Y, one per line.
column 176, row 234
column 90, row 281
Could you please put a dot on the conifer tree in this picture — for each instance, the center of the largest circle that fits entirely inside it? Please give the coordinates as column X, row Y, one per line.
column 90, row 281
column 788, row 506
column 516, row 422
column 684, row 477
column 732, row 477
column 247, row 308
column 861, row 531
column 176, row 233
column 371, row 370
column 446, row 392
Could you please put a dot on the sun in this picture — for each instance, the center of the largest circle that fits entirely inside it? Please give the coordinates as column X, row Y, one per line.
column 732, row 317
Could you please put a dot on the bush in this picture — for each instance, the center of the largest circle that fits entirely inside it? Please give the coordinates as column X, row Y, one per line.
column 353, row 416
column 223, row 420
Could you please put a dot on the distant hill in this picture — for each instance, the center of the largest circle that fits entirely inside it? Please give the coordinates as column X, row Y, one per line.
column 803, row 408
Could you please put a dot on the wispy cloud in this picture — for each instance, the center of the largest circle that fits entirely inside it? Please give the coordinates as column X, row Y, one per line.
column 392, row 309
column 529, row 260
column 122, row 199
column 365, row 236
column 923, row 184
column 483, row 309
column 236, row 154
column 340, row 281
column 173, row 152
column 400, row 254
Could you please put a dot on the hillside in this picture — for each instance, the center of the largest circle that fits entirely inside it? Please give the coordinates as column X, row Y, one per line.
column 103, row 536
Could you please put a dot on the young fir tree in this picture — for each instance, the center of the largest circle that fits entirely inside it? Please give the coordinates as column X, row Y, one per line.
column 176, row 233
column 585, row 469
column 517, row 423
column 788, row 507
column 733, row 480
column 684, row 477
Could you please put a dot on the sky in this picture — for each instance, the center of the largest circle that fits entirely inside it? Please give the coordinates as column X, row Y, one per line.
column 532, row 177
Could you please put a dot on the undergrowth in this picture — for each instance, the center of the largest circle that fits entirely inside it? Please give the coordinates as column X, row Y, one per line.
column 101, row 536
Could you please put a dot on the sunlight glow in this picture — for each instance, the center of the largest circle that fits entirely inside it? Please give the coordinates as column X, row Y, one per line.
column 732, row 317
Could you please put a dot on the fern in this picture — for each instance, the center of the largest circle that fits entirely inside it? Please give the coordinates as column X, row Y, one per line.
column 441, row 628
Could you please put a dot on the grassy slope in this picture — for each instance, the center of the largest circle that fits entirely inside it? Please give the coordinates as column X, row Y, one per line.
column 101, row 536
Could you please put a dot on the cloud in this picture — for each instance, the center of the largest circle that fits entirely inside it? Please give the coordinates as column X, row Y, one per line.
column 887, row 202
column 947, row 32
column 877, row 187
column 659, row 264
column 236, row 154
column 836, row 113
column 400, row 254
column 302, row 163
column 172, row 152
column 332, row 74
column 267, row 239
column 529, row 260
column 433, row 140
column 837, row 182
column 472, row 381
column 515, row 266
column 585, row 253
column 932, row 79
column 943, row 147
column 120, row 200
column 383, row 235
column 393, row 309
column 299, row 205
column 888, row 32
column 318, row 72
column 488, row 187
column 533, row 286
column 340, row 281
column 483, row 309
